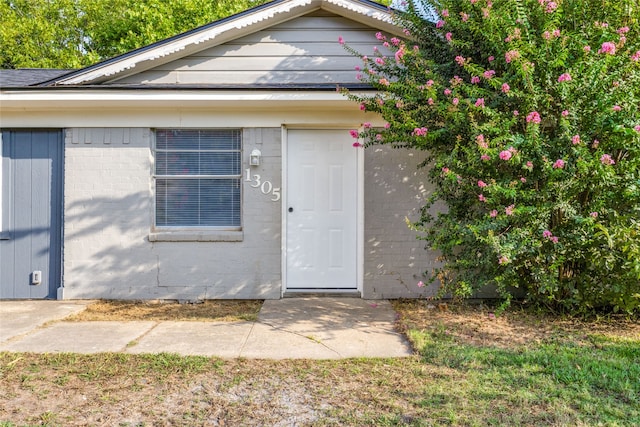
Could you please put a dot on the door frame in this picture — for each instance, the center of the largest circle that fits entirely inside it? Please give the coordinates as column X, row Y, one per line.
column 359, row 207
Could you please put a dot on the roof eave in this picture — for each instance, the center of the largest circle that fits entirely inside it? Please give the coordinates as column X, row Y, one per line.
column 224, row 30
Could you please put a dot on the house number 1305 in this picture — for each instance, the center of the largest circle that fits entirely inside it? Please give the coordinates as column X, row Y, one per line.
column 266, row 187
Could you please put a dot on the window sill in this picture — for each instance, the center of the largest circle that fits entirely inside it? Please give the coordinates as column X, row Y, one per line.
column 196, row 236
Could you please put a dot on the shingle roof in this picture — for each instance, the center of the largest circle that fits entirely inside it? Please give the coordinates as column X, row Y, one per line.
column 23, row 77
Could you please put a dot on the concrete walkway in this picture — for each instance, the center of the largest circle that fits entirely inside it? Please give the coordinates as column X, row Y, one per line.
column 291, row 328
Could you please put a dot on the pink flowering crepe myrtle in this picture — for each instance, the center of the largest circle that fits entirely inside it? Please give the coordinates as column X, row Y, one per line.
column 534, row 117
column 564, row 77
column 607, row 48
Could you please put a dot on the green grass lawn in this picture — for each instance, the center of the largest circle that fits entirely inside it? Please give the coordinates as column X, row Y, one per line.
column 551, row 383
column 470, row 369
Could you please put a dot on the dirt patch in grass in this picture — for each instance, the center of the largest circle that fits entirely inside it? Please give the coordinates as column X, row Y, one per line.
column 210, row 310
column 477, row 324
column 134, row 390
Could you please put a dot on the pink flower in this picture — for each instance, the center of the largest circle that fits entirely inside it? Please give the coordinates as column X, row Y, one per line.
column 485, row 157
column 608, row 48
column 556, row 33
column 546, row 35
column 616, row 108
column 399, row 55
column 445, row 170
column 493, row 213
column 489, row 74
column 636, row 56
column 481, row 198
column 340, row 40
column 464, row 16
column 445, row 13
column 559, row 164
column 387, row 125
column 529, row 165
column 384, row 82
column 523, row 179
column 503, row 260
column 448, row 36
column 455, row 101
column 481, row 142
column 475, row 80
column 594, row 214
column 546, row 234
column 440, row 23
column 430, row 101
column 623, row 30
column 505, row 155
column 505, row 88
column 363, row 107
column 419, row 131
column 378, row 137
column 595, row 143
column 607, row 160
column 565, row 77
column 479, row 102
column 575, row 139
column 380, row 61
column 534, row 117
column 395, row 41
column 420, row 284
column 366, row 125
column 511, row 55
column 354, row 133
column 430, row 83
column 491, row 58
column 460, row 60
column 447, row 91
column 482, row 184
column 587, row 49
column 554, row 239
column 357, row 144
column 509, row 210
column 636, row 128
column 380, row 36
column 515, row 113
column 565, row 113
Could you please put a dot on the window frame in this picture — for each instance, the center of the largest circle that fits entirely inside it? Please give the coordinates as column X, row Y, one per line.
column 196, row 232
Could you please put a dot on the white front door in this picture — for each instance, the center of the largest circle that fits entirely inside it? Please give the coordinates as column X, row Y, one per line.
column 322, row 204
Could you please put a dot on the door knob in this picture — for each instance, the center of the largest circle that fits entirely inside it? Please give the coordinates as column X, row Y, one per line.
column 290, row 209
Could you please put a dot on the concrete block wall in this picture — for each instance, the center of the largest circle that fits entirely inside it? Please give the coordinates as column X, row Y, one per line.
column 112, row 251
column 394, row 259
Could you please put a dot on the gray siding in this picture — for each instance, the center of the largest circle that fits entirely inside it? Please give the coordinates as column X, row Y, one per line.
column 304, row 50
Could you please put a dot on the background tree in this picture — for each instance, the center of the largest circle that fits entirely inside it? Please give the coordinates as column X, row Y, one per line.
column 528, row 112
column 76, row 33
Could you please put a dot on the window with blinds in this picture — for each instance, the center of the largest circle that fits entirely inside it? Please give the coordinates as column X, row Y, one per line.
column 197, row 178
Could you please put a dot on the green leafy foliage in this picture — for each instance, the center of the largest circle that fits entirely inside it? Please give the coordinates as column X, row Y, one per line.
column 528, row 113
column 76, row 33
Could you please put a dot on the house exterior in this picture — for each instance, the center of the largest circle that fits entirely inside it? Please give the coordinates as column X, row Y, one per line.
column 214, row 164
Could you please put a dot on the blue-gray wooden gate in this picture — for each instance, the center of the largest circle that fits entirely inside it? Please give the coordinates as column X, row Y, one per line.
column 31, row 213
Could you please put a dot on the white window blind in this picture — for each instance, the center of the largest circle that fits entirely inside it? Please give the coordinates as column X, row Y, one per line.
column 197, row 177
